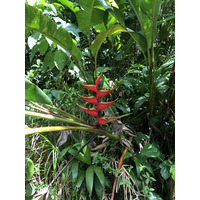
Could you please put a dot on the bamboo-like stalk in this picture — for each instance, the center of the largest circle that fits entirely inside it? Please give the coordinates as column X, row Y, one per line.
column 62, row 128
column 121, row 161
column 53, row 118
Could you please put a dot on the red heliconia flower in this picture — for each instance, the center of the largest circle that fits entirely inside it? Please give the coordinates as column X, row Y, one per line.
column 100, row 106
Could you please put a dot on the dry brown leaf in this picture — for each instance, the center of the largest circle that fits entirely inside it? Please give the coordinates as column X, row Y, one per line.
column 63, row 137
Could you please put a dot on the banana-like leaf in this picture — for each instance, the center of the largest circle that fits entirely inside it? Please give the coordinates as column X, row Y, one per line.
column 117, row 13
column 117, row 28
column 88, row 16
column 34, row 93
column 29, row 131
column 102, row 36
column 36, row 20
column 147, row 12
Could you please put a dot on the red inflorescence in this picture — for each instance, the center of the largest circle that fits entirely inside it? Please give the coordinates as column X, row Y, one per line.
column 100, row 106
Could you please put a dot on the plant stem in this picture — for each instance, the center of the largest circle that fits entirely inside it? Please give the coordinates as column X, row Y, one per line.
column 119, row 167
column 89, row 40
column 62, row 128
column 53, row 118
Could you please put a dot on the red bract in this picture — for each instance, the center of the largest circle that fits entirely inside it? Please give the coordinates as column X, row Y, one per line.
column 103, row 120
column 100, row 106
column 90, row 99
column 104, row 105
column 91, row 111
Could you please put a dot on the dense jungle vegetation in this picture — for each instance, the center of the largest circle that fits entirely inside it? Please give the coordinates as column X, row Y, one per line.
column 71, row 43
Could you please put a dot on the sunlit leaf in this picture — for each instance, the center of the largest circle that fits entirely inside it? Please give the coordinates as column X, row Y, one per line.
column 36, row 20
column 34, row 93
column 147, row 12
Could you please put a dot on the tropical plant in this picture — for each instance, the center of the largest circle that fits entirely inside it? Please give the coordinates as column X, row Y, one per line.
column 130, row 46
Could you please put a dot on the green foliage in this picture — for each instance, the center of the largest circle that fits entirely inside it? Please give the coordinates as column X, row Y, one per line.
column 69, row 43
column 150, row 150
column 35, row 20
column 34, row 93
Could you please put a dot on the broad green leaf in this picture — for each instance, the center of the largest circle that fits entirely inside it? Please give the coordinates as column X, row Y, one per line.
column 89, row 16
column 100, row 38
column 96, row 44
column 29, row 168
column 150, row 150
column 34, row 93
column 139, row 38
column 59, row 59
column 74, row 169
column 165, row 170
column 35, row 20
column 147, row 12
column 117, row 13
column 70, row 5
column 100, row 175
column 81, row 176
column 43, row 46
column 89, row 179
